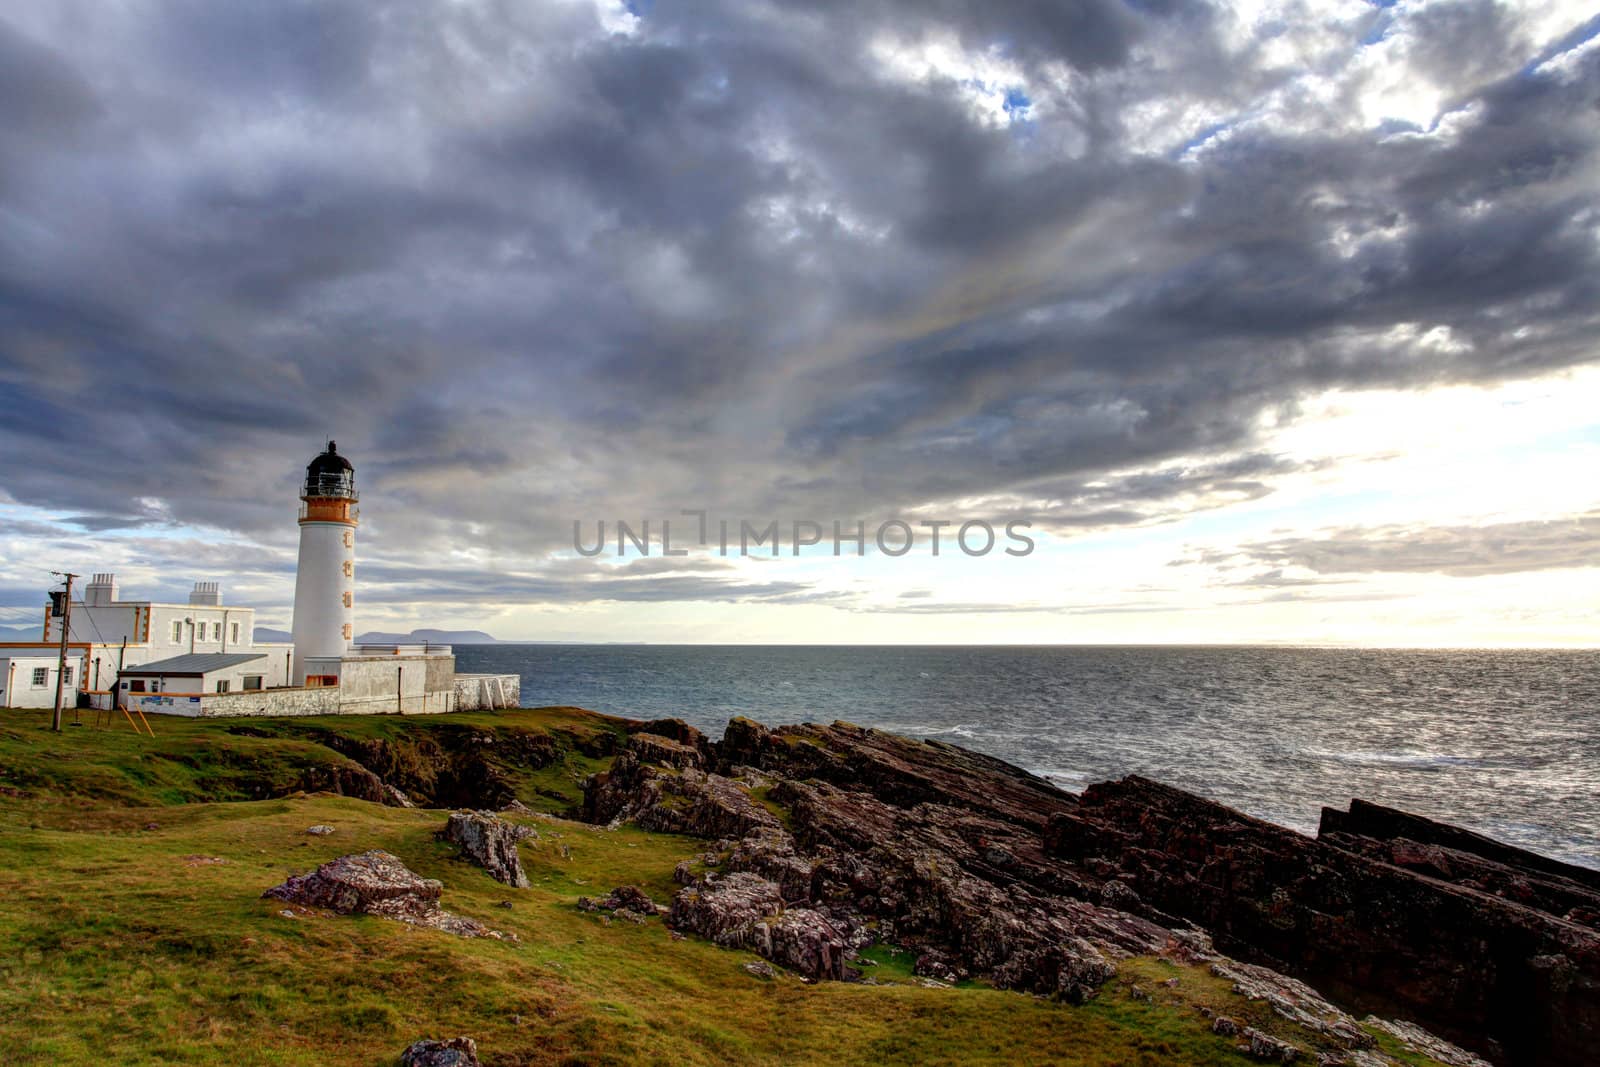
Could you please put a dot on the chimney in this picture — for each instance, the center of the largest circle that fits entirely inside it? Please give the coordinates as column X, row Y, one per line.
column 206, row 593
column 101, row 591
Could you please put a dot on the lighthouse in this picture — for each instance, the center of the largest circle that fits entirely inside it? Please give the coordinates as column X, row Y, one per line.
column 325, row 583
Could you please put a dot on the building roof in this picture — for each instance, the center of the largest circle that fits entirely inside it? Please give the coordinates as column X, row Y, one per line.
column 195, row 663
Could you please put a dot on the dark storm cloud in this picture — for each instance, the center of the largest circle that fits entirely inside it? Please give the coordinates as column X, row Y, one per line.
column 45, row 96
column 527, row 270
column 1459, row 551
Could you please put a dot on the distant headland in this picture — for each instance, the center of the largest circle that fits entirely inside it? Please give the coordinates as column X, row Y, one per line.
column 387, row 637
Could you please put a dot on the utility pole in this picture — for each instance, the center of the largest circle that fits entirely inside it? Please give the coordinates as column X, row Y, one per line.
column 66, row 630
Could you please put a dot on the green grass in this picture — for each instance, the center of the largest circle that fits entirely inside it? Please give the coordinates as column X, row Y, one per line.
column 124, row 939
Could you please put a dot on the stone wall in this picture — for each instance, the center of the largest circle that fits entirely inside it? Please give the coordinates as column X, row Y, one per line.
column 386, row 685
column 487, row 691
column 254, row 702
column 274, row 703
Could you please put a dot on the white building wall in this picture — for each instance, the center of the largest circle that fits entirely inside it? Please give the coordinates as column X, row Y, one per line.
column 399, row 684
column 324, row 593
column 17, row 686
column 158, row 631
column 279, row 662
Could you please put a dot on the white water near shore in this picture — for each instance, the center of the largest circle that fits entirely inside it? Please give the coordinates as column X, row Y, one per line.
column 1503, row 742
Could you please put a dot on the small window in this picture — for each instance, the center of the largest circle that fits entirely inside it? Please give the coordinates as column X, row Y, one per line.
column 251, row 681
column 136, row 686
column 235, row 635
column 66, row 676
column 41, row 675
column 222, row 685
column 177, row 630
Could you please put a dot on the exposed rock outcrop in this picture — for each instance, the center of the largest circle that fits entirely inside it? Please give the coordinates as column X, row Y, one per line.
column 626, row 902
column 900, row 840
column 897, row 770
column 377, row 883
column 744, row 910
column 455, row 1052
column 1492, row 955
column 491, row 843
column 831, row 837
column 658, row 783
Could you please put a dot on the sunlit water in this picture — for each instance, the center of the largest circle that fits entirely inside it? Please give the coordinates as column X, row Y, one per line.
column 1504, row 742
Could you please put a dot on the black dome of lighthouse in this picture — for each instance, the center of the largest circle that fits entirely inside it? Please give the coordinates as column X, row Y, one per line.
column 329, row 462
column 330, row 475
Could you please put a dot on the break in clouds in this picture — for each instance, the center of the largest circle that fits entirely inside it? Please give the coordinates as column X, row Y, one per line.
column 851, row 260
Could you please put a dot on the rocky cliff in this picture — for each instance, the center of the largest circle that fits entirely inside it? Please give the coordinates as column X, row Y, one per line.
column 825, row 839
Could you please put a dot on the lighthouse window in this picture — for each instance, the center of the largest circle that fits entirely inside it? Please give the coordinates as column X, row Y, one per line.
column 349, row 568
column 348, row 599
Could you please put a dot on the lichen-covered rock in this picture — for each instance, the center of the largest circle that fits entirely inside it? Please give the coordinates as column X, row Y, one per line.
column 744, row 910
column 1266, row 1047
column 806, row 941
column 1071, row 970
column 377, row 883
column 395, row 797
column 1417, row 1039
column 653, row 748
column 356, row 883
column 670, row 799
column 455, row 1052
column 491, row 843
column 770, row 852
column 627, row 901
column 1293, row 1000
column 725, row 910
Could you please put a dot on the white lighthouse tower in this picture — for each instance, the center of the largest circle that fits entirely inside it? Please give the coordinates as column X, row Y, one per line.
column 325, row 584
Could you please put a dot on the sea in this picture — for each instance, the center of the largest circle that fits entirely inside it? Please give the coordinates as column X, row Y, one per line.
column 1503, row 742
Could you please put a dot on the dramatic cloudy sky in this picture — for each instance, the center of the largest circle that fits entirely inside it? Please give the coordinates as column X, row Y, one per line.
column 1277, row 319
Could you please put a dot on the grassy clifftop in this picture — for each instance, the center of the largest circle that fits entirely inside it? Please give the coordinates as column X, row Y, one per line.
column 132, row 927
